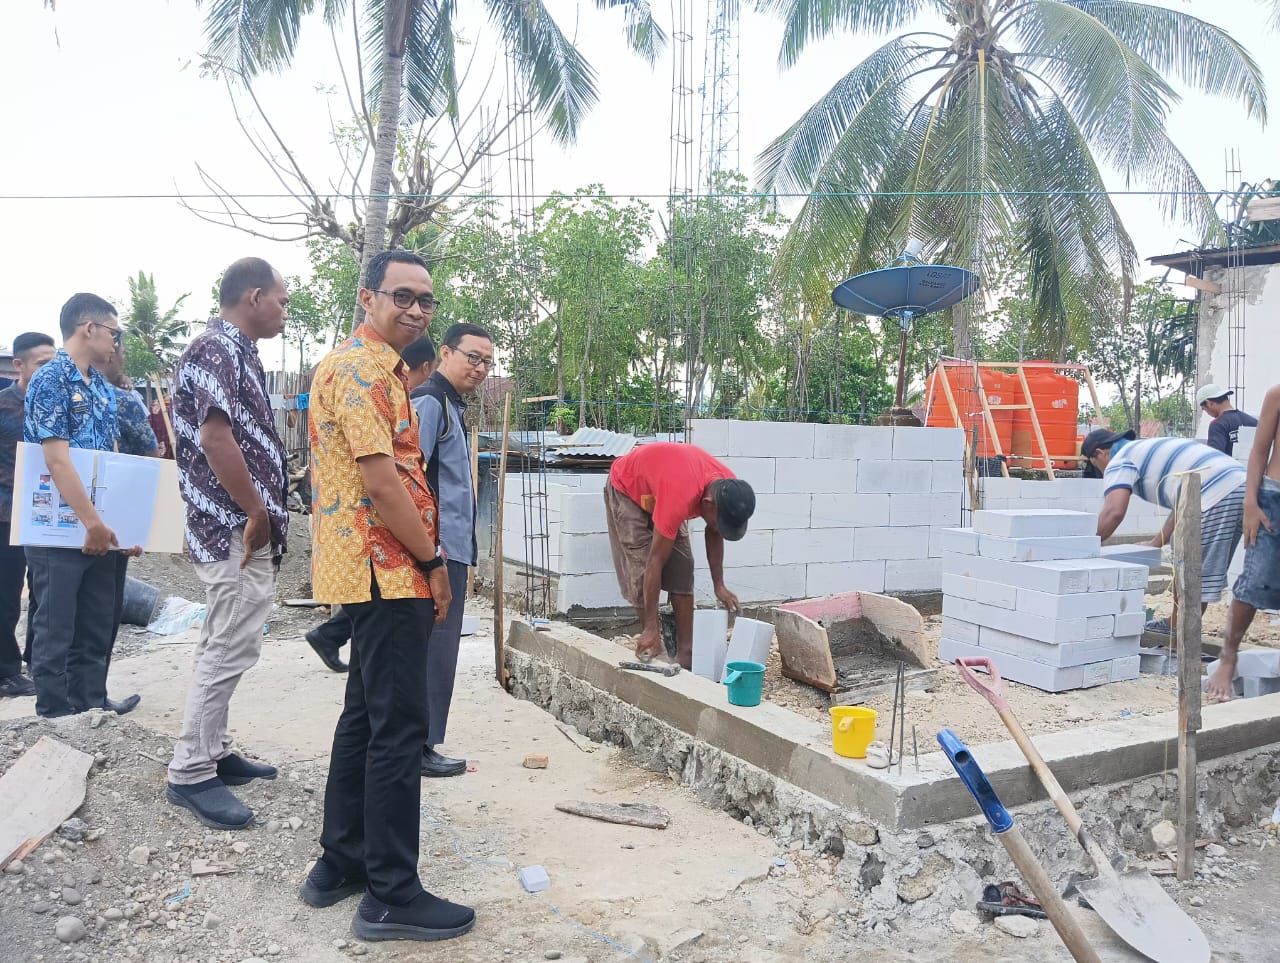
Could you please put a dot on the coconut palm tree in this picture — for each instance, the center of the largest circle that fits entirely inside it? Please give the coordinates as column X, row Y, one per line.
column 152, row 339
column 415, row 43
column 1003, row 124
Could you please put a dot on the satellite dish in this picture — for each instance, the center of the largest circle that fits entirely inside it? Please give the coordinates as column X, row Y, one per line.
column 905, row 291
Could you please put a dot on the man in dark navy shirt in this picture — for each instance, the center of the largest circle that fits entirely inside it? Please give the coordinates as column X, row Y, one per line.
column 1224, row 430
column 30, row 352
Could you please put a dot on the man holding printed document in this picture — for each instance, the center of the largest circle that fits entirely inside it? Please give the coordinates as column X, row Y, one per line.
column 69, row 405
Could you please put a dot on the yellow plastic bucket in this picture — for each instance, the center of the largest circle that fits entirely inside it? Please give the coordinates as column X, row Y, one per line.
column 852, row 729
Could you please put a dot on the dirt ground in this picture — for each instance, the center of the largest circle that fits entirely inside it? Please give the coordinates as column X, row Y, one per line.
column 706, row 890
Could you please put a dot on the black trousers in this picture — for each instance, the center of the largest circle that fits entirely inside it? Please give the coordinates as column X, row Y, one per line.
column 13, row 570
column 336, row 629
column 75, row 613
column 372, row 798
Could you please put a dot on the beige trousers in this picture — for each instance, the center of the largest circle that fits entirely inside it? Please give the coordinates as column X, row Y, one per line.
column 238, row 602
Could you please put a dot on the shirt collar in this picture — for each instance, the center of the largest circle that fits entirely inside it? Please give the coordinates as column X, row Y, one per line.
column 387, row 356
column 450, row 391
column 229, row 330
column 71, row 371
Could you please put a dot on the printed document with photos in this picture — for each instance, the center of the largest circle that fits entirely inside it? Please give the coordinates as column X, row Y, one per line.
column 123, row 489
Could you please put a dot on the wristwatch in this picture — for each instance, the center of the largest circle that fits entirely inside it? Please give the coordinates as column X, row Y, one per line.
column 431, row 566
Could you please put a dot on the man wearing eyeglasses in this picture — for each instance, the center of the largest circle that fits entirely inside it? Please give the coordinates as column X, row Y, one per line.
column 466, row 358
column 75, row 590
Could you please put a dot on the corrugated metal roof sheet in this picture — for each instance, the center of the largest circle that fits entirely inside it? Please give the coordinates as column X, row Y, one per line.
column 593, row 443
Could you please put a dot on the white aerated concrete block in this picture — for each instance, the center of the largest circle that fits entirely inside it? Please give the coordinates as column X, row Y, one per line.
column 948, row 476
column 770, row 439
column 1031, row 626
column 754, row 548
column 582, row 514
column 999, row 594
column 914, row 575
column 1079, row 604
column 782, row 512
column 766, row 583
column 1038, row 549
column 870, row 544
column 813, row 545
column 1039, row 675
column 1131, row 623
column 750, row 642
column 816, row 475
column 945, row 509
column 756, row 472
column 928, row 444
column 710, row 634
column 1100, row 627
column 853, row 441
column 908, row 477
column 960, row 630
column 911, row 510
column 588, row 591
column 1147, row 555
column 1055, row 578
column 1034, row 523
column 711, row 435
column 1058, row 656
column 584, row 554
column 956, row 541
column 832, row 578
column 849, row 511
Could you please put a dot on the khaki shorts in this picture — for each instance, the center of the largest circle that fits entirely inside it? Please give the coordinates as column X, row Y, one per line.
column 630, row 537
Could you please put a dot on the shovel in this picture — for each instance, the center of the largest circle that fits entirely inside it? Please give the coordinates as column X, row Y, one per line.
column 1131, row 902
column 1010, row 837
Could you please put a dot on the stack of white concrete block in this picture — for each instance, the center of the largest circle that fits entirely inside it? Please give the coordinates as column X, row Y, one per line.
column 1030, row 591
column 1072, row 494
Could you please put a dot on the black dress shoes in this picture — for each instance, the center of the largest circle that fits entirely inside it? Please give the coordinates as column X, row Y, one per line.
column 327, row 651
column 123, row 706
column 434, row 764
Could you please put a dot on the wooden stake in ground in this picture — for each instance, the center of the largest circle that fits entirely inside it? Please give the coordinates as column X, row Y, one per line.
column 475, row 493
column 499, row 642
column 1187, row 559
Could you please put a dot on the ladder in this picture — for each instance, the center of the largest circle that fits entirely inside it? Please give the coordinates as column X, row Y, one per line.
column 1020, row 368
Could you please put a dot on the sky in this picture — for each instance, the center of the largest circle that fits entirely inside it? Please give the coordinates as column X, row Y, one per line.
column 98, row 101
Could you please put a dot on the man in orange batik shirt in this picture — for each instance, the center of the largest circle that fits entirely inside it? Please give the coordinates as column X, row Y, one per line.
column 375, row 552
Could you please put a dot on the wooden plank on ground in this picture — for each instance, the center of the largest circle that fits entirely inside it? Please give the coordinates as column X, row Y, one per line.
column 805, row 649
column 626, row 814
column 38, row 793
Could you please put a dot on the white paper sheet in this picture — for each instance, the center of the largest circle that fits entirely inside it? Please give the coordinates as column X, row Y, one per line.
column 123, row 489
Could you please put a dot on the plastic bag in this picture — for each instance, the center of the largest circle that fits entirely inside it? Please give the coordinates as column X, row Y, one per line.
column 176, row 615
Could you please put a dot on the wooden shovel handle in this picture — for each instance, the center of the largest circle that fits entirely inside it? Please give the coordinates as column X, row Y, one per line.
column 994, row 693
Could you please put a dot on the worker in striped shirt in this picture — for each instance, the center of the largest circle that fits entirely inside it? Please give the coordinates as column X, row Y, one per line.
column 1149, row 468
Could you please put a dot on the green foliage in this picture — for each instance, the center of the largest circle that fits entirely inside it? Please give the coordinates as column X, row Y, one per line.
column 152, row 340
column 1000, row 129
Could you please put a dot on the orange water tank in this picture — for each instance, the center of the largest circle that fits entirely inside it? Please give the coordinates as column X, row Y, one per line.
column 1056, row 399
column 1002, row 388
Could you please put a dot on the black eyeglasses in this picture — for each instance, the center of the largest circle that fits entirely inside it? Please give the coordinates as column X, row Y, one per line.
column 116, row 334
column 475, row 360
column 403, row 299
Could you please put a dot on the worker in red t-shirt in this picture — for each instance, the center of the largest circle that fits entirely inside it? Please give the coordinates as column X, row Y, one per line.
column 651, row 495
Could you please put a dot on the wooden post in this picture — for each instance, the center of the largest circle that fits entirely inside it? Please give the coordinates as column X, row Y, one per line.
column 164, row 413
column 499, row 640
column 1187, row 564
column 475, row 493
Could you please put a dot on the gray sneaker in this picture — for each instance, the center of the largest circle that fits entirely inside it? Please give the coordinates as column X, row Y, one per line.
column 213, row 804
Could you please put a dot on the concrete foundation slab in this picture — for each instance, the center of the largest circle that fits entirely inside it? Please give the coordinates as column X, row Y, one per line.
column 685, row 726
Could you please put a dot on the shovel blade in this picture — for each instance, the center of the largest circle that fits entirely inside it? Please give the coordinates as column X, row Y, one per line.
column 1141, row 913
